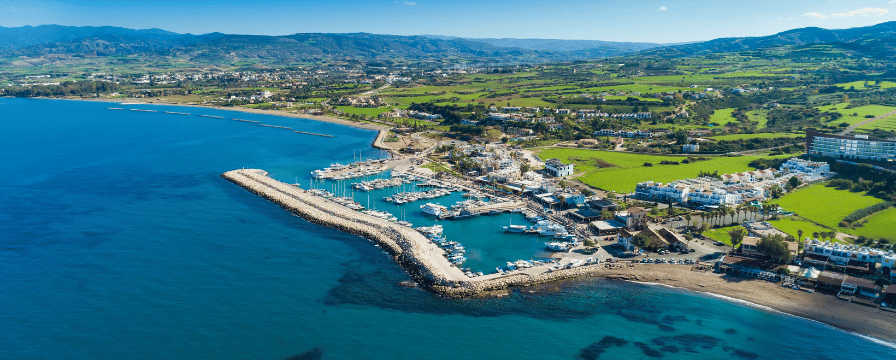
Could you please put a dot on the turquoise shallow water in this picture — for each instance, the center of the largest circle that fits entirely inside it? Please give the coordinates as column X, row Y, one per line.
column 118, row 239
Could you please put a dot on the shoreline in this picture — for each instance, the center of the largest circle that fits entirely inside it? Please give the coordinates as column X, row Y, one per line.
column 426, row 265
column 321, row 118
column 377, row 142
column 861, row 320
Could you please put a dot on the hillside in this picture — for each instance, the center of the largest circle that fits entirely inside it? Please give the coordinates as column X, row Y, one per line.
column 875, row 39
column 64, row 42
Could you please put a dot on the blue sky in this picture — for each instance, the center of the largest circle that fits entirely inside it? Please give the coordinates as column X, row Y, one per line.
column 613, row 20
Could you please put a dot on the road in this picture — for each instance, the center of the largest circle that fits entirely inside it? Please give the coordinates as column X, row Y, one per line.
column 853, row 127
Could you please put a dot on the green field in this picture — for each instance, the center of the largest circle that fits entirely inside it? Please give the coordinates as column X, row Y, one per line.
column 887, row 123
column 860, row 85
column 880, row 225
column 825, row 205
column 792, row 226
column 373, row 112
column 722, row 116
column 754, row 136
column 760, row 117
column 856, row 115
column 629, row 169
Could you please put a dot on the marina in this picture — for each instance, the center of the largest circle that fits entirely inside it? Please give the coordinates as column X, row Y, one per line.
column 426, row 254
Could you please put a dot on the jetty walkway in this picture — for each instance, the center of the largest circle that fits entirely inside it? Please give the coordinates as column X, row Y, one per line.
column 422, row 259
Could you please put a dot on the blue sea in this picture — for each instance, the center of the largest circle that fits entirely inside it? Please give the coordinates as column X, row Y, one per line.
column 119, row 240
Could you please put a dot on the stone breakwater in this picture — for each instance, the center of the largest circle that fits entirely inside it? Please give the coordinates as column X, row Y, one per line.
column 423, row 260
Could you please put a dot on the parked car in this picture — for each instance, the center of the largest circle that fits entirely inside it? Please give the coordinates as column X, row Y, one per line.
column 718, row 243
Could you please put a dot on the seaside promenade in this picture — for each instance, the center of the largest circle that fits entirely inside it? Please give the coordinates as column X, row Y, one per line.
column 421, row 258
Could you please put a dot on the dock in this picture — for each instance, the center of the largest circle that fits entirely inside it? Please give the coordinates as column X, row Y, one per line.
column 421, row 258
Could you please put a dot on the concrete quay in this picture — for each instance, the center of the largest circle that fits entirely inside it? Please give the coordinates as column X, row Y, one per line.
column 422, row 259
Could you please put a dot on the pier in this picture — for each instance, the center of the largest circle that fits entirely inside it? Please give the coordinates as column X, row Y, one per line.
column 421, row 258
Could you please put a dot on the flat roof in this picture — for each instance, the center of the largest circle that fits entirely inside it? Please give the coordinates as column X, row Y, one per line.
column 865, row 283
column 607, row 225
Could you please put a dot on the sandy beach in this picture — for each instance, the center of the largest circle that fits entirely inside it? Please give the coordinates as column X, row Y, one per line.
column 322, row 118
column 824, row 308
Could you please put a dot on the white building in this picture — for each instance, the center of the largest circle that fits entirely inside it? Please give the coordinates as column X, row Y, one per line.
column 858, row 147
column 714, row 197
column 813, row 170
column 557, row 168
column 650, row 190
column 690, row 147
column 857, row 257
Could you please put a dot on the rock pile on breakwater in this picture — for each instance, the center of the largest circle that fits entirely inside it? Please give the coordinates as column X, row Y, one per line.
column 414, row 252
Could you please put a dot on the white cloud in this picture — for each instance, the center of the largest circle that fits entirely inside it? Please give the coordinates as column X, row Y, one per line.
column 663, row 8
column 866, row 12
column 817, row 15
column 410, row 3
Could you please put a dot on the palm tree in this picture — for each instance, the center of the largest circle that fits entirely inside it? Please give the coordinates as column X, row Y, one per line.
column 799, row 235
column 688, row 218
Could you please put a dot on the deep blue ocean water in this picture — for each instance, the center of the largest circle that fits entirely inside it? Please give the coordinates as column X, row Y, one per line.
column 119, row 240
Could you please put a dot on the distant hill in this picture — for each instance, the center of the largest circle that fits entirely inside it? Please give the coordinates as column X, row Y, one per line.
column 18, row 37
column 566, row 45
column 77, row 42
column 805, row 36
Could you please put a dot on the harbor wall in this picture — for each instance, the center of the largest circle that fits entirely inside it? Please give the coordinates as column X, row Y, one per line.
column 411, row 250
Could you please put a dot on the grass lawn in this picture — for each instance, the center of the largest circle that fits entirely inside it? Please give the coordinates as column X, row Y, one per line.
column 364, row 111
column 880, row 225
column 439, row 168
column 791, row 226
column 825, row 205
column 722, row 116
column 720, row 234
column 627, row 170
column 860, row 112
column 754, row 136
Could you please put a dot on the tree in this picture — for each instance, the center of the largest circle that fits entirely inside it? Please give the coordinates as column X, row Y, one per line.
column 641, row 241
column 799, row 234
column 654, row 211
column 774, row 247
column 794, row 182
column 688, row 219
column 587, row 192
column 704, row 227
column 524, row 167
column 737, row 235
column 776, row 192
column 815, row 235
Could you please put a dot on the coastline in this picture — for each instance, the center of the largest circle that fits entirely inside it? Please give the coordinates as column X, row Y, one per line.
column 427, row 266
column 862, row 320
column 321, row 118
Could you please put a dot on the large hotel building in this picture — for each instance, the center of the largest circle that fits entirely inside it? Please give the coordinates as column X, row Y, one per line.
column 846, row 147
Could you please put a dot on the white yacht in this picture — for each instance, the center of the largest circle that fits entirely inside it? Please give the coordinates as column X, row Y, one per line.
column 434, row 209
column 557, row 246
column 552, row 230
column 515, row 228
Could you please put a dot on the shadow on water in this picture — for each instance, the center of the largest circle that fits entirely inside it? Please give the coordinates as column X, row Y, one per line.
column 660, row 346
column 313, row 354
